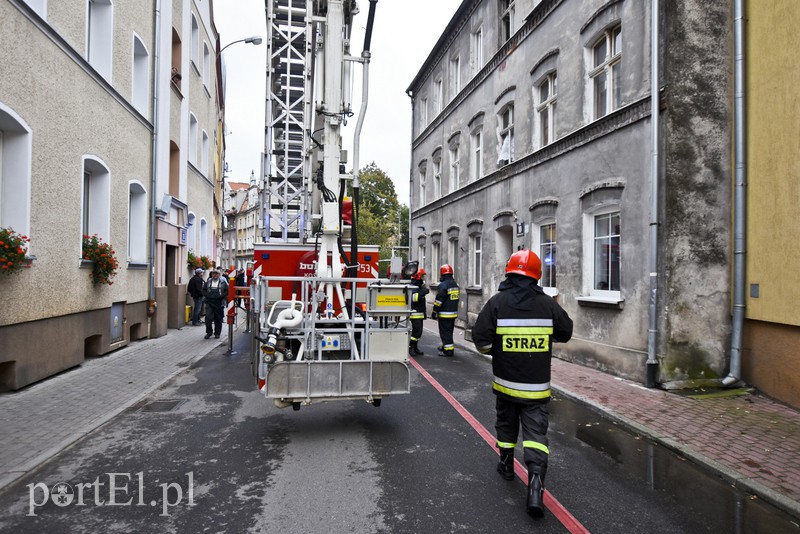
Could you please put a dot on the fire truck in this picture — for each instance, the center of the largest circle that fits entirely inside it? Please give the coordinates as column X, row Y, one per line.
column 325, row 326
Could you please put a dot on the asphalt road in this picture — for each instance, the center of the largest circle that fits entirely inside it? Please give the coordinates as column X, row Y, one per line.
column 224, row 459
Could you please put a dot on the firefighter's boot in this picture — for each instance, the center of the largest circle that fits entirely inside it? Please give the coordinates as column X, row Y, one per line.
column 506, row 465
column 414, row 350
column 535, row 504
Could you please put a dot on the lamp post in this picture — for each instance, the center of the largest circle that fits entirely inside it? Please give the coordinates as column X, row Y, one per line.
column 256, row 40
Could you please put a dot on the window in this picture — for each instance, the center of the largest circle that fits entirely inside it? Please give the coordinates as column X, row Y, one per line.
column 15, row 172
column 195, row 42
column 546, row 109
column 423, row 113
column 206, row 65
column 437, row 178
column 99, row 36
column 191, row 233
column 204, row 154
column 422, row 179
column 137, row 223
column 140, row 96
column 96, row 211
column 506, row 20
column 476, row 51
column 192, row 139
column 454, row 168
column 546, row 249
column 452, row 253
column 204, row 245
column 421, row 256
column 39, row 6
column 455, row 77
column 505, row 135
column 476, row 165
column 606, row 252
column 438, row 96
column 605, row 72
column 435, row 257
column 475, row 264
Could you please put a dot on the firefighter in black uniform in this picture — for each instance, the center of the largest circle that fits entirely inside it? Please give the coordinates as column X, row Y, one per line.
column 445, row 309
column 418, row 312
column 517, row 327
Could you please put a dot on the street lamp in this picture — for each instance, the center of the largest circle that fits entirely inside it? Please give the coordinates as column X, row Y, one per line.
column 256, row 40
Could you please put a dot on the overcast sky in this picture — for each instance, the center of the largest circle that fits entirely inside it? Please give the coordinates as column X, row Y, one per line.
column 403, row 35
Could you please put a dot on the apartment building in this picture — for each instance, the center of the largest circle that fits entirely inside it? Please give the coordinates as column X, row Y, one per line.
column 533, row 127
column 108, row 126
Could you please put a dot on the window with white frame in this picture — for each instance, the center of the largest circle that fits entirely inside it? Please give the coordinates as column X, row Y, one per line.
column 452, row 253
column 476, row 147
column 204, row 239
column 505, row 135
column 204, row 154
column 455, row 168
column 422, row 179
column 605, row 72
column 192, row 139
column 96, row 210
column 438, row 96
column 475, row 249
column 195, row 52
column 455, row 77
column 435, row 256
column 476, row 51
column 437, row 178
column 140, row 86
column 545, row 248
column 100, row 24
column 206, row 66
column 423, row 113
column 15, row 172
column 506, row 20
column 421, row 255
column 546, row 93
column 602, row 259
column 137, row 223
column 191, row 233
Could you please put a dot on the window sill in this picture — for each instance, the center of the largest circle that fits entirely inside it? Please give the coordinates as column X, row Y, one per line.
column 86, row 264
column 474, row 290
column 596, row 301
column 137, row 265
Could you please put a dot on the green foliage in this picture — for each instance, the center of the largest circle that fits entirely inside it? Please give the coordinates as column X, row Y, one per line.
column 13, row 249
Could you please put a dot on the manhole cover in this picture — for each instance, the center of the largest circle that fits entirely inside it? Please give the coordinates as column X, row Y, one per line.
column 166, row 405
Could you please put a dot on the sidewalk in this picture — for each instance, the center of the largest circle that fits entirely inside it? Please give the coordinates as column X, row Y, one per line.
column 41, row 420
column 749, row 440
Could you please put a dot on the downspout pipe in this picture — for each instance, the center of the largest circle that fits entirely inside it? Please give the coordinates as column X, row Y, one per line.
column 739, row 199
column 652, row 360
column 153, row 219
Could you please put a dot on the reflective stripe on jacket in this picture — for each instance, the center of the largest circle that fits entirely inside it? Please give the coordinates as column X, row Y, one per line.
column 447, row 296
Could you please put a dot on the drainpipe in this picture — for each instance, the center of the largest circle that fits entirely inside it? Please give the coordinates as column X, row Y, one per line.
column 410, row 179
column 652, row 360
column 739, row 200
column 153, row 218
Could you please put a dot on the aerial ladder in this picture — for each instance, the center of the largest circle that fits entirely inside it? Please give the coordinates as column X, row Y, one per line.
column 324, row 325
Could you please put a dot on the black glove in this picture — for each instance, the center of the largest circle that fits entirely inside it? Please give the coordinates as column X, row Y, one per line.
column 434, row 315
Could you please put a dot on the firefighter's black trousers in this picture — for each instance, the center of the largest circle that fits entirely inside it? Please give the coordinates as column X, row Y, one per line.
column 446, row 327
column 534, row 418
column 416, row 329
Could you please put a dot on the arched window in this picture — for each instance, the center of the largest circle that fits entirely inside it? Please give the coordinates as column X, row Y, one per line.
column 195, row 42
column 192, row 139
column 191, row 233
column 140, row 95
column 15, row 171
column 137, row 223
column 203, row 245
column 100, row 22
column 204, row 153
column 96, row 212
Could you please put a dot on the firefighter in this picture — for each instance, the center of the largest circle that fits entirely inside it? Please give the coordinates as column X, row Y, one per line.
column 418, row 312
column 445, row 309
column 517, row 327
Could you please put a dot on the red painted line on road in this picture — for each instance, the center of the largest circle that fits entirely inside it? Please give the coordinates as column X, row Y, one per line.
column 557, row 509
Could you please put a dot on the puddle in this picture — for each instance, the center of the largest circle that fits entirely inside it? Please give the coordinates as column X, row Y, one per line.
column 727, row 508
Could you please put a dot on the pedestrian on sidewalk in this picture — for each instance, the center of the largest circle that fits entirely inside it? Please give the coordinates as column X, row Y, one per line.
column 445, row 309
column 517, row 327
column 215, row 292
column 196, row 291
column 418, row 311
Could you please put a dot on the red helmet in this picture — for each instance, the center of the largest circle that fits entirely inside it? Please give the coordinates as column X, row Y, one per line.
column 526, row 263
column 419, row 274
column 445, row 269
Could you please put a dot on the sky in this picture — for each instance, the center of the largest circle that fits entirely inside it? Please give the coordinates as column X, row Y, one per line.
column 403, row 35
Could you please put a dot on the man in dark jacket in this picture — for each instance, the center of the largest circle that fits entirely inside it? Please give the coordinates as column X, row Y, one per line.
column 196, row 291
column 215, row 292
column 418, row 311
column 517, row 327
column 445, row 309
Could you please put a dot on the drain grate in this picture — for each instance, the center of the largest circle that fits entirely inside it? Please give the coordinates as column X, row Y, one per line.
column 166, row 405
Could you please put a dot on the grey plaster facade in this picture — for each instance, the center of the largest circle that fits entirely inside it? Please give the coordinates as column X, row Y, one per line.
column 596, row 165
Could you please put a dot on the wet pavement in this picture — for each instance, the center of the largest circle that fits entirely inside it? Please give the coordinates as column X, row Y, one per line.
column 750, row 441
